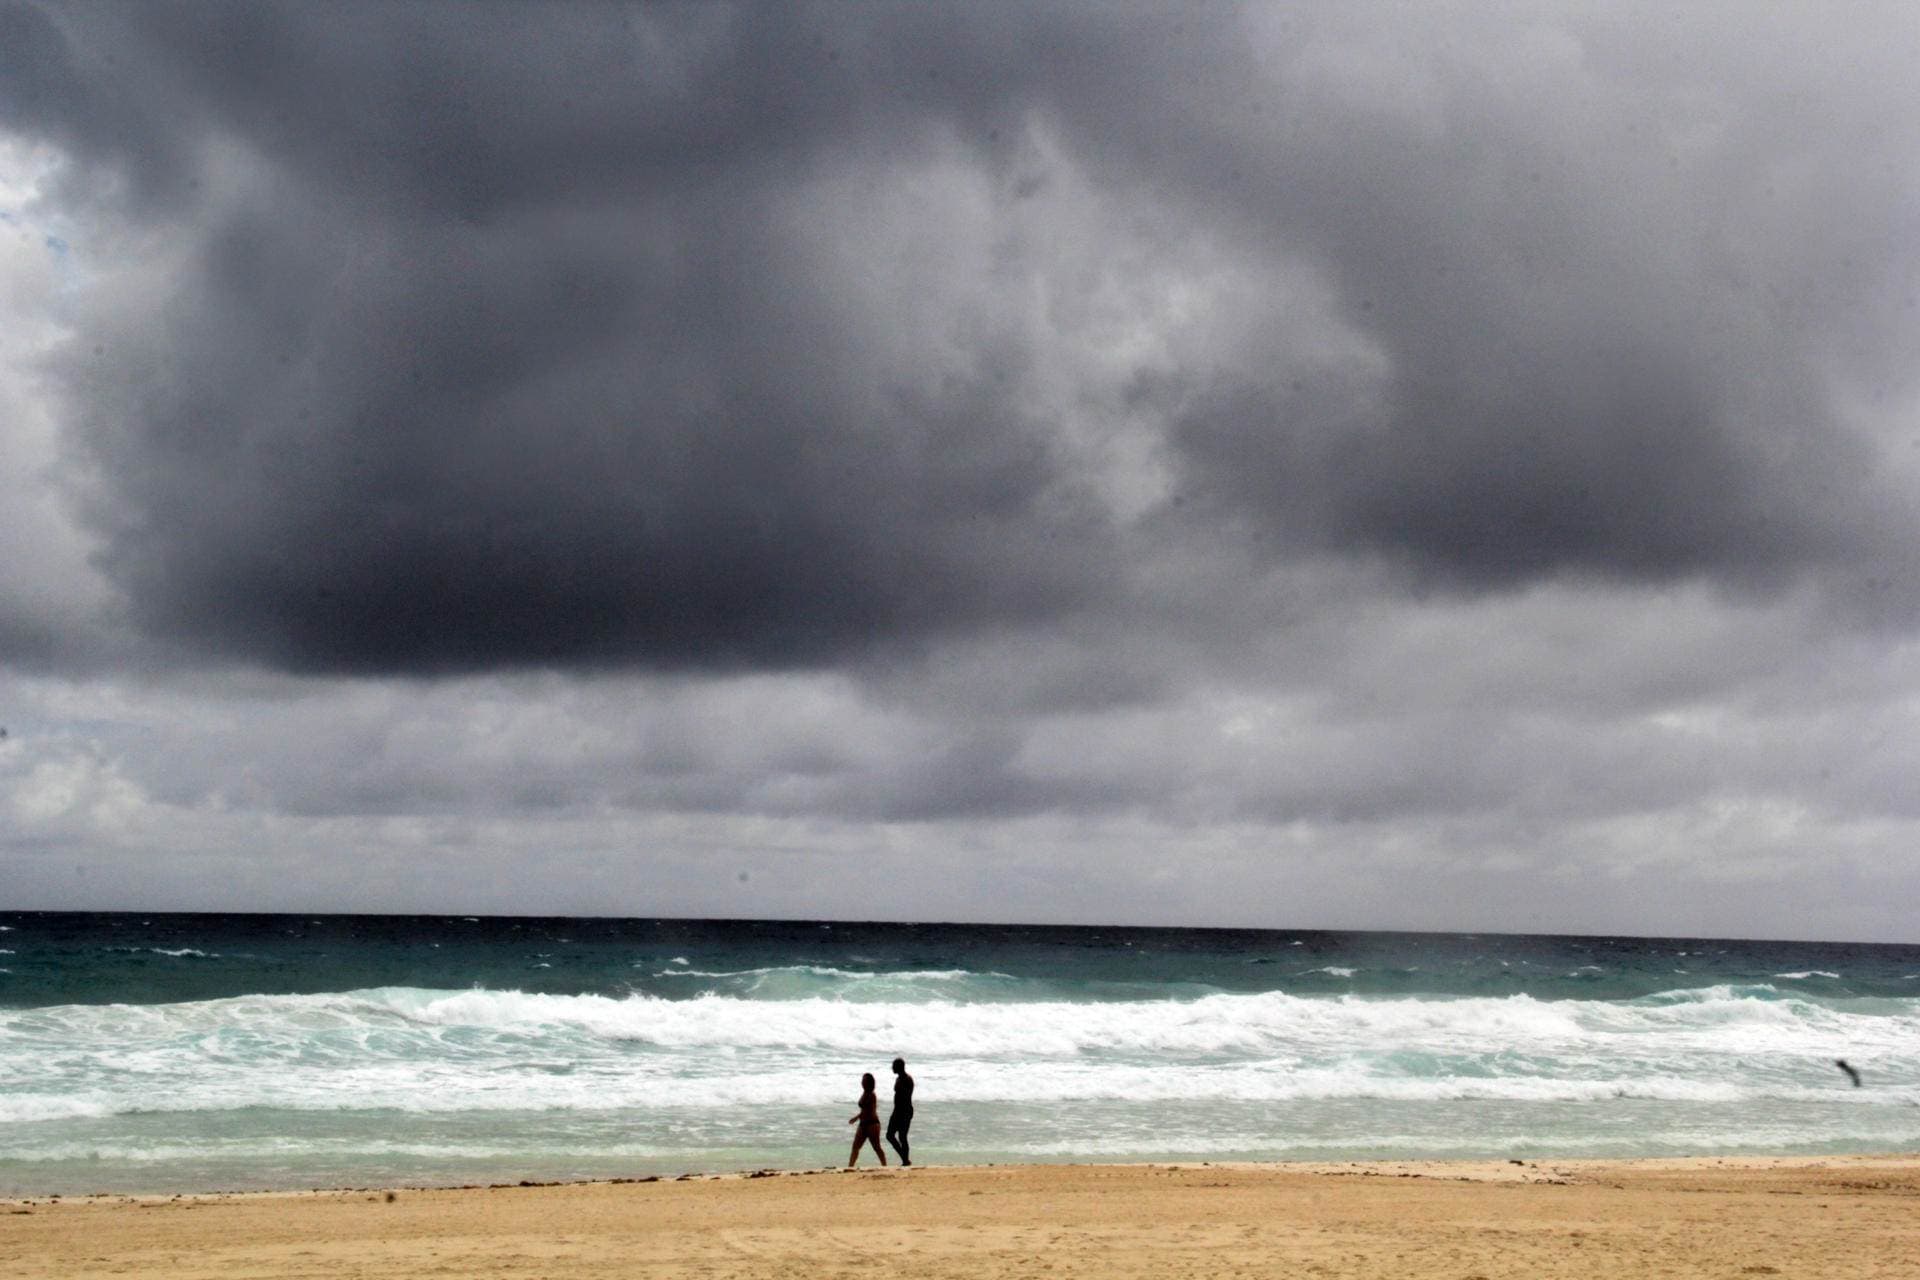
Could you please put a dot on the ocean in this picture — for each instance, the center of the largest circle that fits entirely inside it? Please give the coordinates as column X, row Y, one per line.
column 174, row 1053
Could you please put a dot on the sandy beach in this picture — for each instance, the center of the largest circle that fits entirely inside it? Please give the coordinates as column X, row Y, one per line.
column 1852, row 1216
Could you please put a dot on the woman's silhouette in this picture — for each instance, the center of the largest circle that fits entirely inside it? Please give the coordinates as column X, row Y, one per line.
column 868, row 1120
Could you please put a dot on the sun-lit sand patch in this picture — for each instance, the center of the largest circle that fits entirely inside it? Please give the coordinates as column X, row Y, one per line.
column 1854, row 1216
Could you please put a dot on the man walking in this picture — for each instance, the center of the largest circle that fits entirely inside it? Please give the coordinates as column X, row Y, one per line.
column 900, row 1119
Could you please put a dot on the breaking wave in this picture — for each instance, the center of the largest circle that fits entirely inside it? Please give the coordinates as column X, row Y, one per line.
column 414, row 1049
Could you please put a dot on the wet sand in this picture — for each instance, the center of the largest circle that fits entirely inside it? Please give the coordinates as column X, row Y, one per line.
column 1852, row 1217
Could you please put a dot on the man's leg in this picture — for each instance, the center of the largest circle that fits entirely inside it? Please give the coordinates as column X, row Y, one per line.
column 897, row 1135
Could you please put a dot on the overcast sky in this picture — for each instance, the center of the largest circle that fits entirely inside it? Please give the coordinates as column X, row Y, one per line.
column 1344, row 465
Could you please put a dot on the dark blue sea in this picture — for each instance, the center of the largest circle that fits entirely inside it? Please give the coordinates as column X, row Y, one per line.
column 213, row 1052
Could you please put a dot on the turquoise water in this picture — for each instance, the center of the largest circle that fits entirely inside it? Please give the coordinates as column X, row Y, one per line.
column 171, row 1053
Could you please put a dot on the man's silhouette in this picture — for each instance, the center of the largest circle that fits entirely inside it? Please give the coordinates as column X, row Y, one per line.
column 900, row 1119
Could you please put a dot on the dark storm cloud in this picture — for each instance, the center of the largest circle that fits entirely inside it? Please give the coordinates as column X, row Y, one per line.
column 1606, row 280
column 27, row 642
column 490, row 343
column 497, row 335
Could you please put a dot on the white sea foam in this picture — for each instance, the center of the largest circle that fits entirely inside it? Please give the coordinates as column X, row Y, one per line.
column 1717, row 992
column 451, row 1088
column 1206, row 1025
column 828, row 971
column 1333, row 969
column 1804, row 974
column 424, row 1051
column 26, row 1107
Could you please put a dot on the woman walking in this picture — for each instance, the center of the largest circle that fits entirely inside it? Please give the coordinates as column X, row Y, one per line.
column 868, row 1120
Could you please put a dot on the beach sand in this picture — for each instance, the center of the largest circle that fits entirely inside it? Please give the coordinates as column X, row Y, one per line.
column 1855, row 1217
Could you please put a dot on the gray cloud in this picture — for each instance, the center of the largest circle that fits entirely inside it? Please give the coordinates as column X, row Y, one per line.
column 487, row 337
column 1599, row 276
column 1423, row 467
column 504, row 355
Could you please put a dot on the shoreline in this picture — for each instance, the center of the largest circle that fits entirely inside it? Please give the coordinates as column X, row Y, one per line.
column 1672, row 1216
column 1542, row 1170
